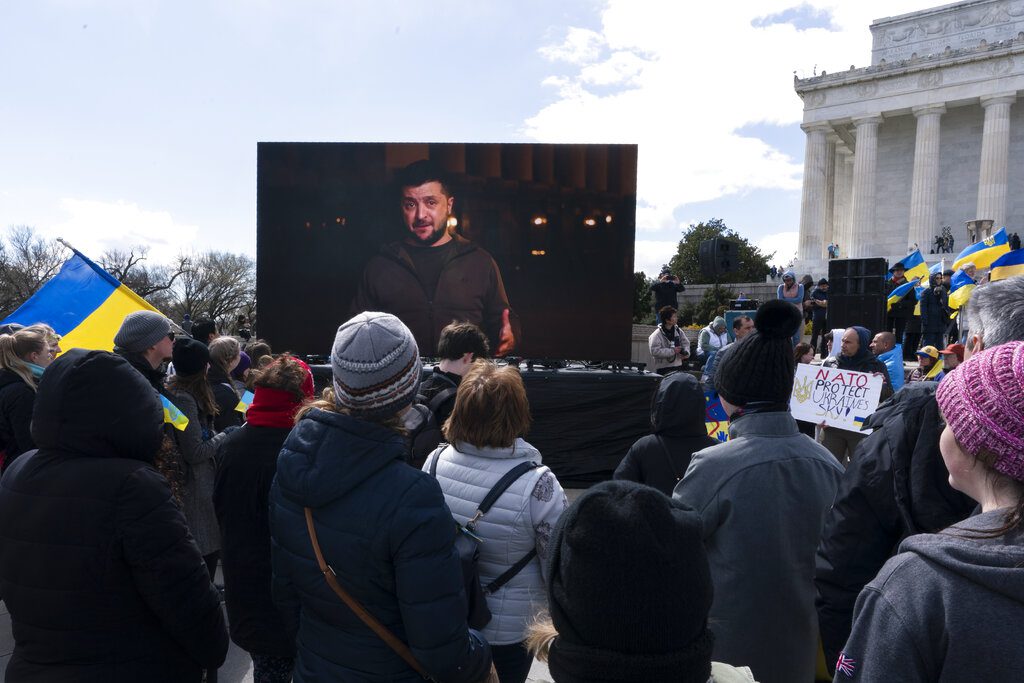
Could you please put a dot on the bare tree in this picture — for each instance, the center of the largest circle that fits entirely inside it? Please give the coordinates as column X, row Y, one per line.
column 217, row 285
column 27, row 261
column 152, row 282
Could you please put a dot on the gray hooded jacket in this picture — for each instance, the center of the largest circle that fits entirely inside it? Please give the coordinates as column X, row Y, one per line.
column 947, row 608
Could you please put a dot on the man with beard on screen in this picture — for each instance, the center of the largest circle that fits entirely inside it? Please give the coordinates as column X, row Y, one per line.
column 432, row 277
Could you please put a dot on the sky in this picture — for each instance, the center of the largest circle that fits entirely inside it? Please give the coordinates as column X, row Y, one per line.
column 136, row 122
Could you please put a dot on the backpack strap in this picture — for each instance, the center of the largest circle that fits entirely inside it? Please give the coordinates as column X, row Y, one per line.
column 440, row 398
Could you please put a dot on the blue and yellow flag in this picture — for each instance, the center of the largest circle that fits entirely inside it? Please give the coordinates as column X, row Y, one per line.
column 173, row 416
column 914, row 265
column 245, row 402
column 83, row 303
column 983, row 253
column 938, row 268
column 960, row 288
column 1008, row 265
column 900, row 292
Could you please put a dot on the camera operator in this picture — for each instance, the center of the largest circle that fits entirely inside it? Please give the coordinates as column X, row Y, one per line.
column 665, row 290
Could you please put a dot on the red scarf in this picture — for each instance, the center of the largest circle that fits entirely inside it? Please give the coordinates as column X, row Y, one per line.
column 276, row 407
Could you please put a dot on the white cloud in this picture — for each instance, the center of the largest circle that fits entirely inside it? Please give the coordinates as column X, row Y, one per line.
column 784, row 244
column 579, row 47
column 94, row 226
column 689, row 76
column 650, row 255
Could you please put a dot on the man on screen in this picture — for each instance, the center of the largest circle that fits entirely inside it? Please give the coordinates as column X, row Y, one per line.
column 432, row 277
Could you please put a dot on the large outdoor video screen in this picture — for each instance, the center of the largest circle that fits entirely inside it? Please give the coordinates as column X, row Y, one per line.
column 533, row 243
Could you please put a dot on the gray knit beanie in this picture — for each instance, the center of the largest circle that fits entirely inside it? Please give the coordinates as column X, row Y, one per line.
column 376, row 365
column 141, row 330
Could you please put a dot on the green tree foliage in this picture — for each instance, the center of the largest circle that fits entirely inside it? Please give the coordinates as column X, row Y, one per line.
column 714, row 303
column 642, row 312
column 753, row 263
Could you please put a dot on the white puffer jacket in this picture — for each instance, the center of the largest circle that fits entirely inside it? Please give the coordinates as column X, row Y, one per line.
column 520, row 520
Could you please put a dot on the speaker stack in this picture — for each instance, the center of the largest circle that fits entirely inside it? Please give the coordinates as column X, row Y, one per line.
column 856, row 293
column 718, row 256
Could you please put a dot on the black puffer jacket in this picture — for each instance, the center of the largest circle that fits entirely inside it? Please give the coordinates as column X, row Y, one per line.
column 241, row 497
column 227, row 400
column 97, row 568
column 16, row 399
column 896, row 486
column 677, row 417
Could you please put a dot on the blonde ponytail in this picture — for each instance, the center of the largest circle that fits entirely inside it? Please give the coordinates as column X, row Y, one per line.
column 15, row 348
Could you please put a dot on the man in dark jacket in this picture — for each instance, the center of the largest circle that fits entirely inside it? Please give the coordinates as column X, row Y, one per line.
column 145, row 340
column 819, row 311
column 97, row 567
column 903, row 310
column 432, row 277
column 855, row 354
column 678, row 413
column 665, row 290
column 898, row 485
column 934, row 316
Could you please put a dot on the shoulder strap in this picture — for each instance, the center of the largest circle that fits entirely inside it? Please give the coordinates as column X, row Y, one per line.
column 492, row 496
column 437, row 459
column 510, row 573
column 668, row 455
column 400, row 648
column 441, row 397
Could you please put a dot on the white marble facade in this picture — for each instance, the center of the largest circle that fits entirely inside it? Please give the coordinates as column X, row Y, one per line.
column 929, row 135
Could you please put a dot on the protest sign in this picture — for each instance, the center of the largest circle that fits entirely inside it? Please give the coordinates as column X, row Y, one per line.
column 839, row 398
column 715, row 419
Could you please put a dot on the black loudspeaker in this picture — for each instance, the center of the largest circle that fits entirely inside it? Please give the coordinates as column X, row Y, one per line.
column 718, row 256
column 856, row 293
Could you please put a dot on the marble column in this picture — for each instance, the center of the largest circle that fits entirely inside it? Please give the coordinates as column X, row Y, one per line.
column 830, row 195
column 841, row 205
column 862, row 210
column 924, row 191
column 995, row 156
column 812, row 204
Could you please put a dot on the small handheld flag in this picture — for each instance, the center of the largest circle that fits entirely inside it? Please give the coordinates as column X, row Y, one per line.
column 245, row 402
column 960, row 288
column 897, row 294
column 173, row 416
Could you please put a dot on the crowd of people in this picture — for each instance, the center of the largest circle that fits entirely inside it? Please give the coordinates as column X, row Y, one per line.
column 398, row 525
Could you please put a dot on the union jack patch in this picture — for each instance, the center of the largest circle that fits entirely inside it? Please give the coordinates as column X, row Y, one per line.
column 846, row 665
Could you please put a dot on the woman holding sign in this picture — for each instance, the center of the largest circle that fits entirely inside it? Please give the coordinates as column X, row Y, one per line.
column 854, row 354
column 948, row 597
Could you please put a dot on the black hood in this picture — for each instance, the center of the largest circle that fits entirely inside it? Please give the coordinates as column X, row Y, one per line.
column 678, row 408
column 9, row 377
column 94, row 403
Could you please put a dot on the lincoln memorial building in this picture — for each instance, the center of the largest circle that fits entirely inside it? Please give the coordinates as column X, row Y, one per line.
column 928, row 137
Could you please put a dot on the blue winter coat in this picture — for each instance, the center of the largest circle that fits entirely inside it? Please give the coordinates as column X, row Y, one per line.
column 385, row 529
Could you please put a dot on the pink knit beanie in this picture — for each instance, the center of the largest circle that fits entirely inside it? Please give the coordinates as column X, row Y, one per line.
column 983, row 403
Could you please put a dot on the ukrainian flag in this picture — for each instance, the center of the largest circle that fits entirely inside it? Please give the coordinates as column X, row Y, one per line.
column 900, row 292
column 83, row 303
column 983, row 253
column 915, row 266
column 173, row 416
column 960, row 288
column 245, row 402
column 1009, row 265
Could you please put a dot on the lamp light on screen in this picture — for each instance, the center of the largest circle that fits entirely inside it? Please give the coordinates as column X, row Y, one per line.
column 590, row 222
column 453, row 222
column 608, row 218
column 540, row 220
column 538, row 252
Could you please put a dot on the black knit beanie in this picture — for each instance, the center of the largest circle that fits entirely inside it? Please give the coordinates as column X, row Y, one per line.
column 629, row 589
column 190, row 357
column 760, row 367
